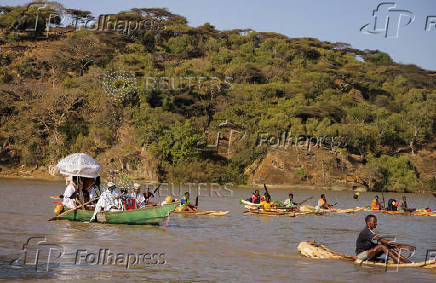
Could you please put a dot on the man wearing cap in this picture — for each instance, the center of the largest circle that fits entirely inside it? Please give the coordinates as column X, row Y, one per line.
column 109, row 201
column 137, row 196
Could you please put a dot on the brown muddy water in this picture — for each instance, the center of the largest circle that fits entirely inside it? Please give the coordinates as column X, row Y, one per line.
column 234, row 247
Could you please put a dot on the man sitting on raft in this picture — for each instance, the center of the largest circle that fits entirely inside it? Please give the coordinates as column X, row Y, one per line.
column 375, row 204
column 322, row 203
column 255, row 198
column 185, row 203
column 367, row 248
column 404, row 207
column 290, row 203
column 267, row 203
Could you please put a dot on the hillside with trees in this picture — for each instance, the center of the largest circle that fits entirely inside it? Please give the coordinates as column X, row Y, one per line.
column 172, row 102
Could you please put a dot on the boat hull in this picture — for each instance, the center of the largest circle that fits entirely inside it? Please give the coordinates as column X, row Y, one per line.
column 153, row 215
column 317, row 251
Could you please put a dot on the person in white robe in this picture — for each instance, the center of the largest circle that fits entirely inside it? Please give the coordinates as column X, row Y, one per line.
column 69, row 201
column 109, row 201
column 138, row 196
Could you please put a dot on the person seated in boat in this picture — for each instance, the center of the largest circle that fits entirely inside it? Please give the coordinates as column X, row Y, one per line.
column 71, row 192
column 109, row 201
column 137, row 196
column 404, row 207
column 267, row 204
column 369, row 246
column 322, row 203
column 289, row 202
column 88, row 183
column 392, row 205
column 375, row 204
column 96, row 189
column 148, row 195
column 255, row 198
column 185, row 203
column 167, row 200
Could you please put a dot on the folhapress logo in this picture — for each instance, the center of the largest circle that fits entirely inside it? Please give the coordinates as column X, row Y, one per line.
column 40, row 254
column 388, row 20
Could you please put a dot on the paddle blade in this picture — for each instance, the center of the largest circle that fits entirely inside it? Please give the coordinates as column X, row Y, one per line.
column 266, row 189
column 196, row 201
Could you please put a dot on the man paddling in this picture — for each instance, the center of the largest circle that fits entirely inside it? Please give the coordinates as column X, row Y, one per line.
column 375, row 204
column 370, row 246
column 404, row 207
column 322, row 203
column 255, row 198
column 137, row 196
column 148, row 195
column 185, row 203
column 267, row 203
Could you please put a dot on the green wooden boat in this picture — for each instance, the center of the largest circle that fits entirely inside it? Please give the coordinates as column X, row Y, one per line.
column 152, row 215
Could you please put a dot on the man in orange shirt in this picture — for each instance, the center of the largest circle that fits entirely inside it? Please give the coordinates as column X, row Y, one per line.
column 322, row 203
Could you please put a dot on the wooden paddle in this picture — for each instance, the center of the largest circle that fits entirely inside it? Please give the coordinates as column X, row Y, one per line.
column 157, row 188
column 300, row 203
column 406, row 247
column 266, row 189
column 58, row 217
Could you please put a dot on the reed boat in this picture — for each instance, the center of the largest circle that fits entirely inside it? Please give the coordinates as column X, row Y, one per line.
column 203, row 212
column 317, row 251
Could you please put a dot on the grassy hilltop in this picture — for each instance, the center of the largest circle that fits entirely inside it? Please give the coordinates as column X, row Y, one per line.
column 147, row 104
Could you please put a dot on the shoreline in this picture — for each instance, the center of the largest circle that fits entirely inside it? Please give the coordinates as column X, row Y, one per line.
column 45, row 176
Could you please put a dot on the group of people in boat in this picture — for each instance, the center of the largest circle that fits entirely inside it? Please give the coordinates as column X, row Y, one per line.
column 82, row 190
column 266, row 203
column 393, row 205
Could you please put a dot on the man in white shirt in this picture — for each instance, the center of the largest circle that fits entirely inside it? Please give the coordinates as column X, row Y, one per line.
column 138, row 196
column 109, row 201
column 69, row 200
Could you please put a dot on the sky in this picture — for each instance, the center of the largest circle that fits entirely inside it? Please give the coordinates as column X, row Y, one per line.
column 327, row 20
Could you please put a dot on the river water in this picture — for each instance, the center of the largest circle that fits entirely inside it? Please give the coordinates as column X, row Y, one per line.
column 234, row 247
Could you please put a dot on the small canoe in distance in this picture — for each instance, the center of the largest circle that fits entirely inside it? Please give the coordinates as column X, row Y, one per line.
column 269, row 213
column 203, row 212
column 419, row 212
column 314, row 250
column 152, row 215
column 248, row 204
